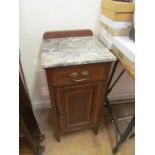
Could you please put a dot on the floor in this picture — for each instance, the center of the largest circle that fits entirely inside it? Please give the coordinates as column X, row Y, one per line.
column 85, row 142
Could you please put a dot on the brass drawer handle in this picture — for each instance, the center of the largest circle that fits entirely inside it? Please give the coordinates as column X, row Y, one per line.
column 85, row 73
column 74, row 74
column 78, row 80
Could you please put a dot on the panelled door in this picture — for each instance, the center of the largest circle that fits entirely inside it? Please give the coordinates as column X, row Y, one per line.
column 78, row 106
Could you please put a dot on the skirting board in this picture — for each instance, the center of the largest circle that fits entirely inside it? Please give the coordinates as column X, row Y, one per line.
column 113, row 97
column 41, row 104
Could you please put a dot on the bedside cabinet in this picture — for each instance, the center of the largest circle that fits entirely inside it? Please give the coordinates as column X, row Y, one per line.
column 77, row 96
column 77, row 66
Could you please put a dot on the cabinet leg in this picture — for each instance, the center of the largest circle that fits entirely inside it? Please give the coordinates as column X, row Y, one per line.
column 57, row 135
column 133, row 135
column 95, row 129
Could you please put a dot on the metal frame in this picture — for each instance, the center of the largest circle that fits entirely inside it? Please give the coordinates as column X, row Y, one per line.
column 123, row 136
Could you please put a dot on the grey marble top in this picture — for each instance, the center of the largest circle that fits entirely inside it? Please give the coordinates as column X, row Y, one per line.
column 73, row 51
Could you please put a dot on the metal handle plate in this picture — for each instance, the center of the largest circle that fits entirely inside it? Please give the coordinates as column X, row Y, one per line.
column 85, row 73
column 74, row 74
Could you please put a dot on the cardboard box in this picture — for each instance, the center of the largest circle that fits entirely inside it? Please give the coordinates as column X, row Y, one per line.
column 115, row 24
column 118, row 6
column 117, row 16
column 116, row 31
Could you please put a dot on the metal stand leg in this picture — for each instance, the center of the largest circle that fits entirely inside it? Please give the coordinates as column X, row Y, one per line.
column 112, row 73
column 125, row 134
column 113, row 116
column 111, row 77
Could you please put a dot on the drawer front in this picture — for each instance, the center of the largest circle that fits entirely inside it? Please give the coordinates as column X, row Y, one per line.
column 77, row 74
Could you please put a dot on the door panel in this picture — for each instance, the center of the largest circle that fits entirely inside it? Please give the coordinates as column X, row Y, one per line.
column 78, row 105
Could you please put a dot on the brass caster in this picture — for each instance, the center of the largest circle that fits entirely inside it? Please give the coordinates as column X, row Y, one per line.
column 41, row 137
column 39, row 150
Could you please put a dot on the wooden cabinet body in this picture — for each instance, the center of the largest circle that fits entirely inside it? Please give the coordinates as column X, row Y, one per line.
column 77, row 96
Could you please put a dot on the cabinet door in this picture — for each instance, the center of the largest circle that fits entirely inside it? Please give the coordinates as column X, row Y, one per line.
column 79, row 106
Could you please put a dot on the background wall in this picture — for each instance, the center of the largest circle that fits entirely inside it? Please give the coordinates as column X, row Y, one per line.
column 38, row 16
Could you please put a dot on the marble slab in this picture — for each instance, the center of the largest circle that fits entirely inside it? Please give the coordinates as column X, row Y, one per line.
column 73, row 51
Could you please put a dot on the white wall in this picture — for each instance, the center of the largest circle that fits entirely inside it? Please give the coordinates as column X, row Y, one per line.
column 125, row 86
column 38, row 16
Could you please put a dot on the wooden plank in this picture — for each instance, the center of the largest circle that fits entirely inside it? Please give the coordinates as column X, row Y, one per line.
column 68, row 33
column 126, row 63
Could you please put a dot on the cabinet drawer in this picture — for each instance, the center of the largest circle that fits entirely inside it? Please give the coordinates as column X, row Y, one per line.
column 77, row 74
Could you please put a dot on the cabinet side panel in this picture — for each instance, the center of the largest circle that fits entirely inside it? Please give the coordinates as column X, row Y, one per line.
column 53, row 103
